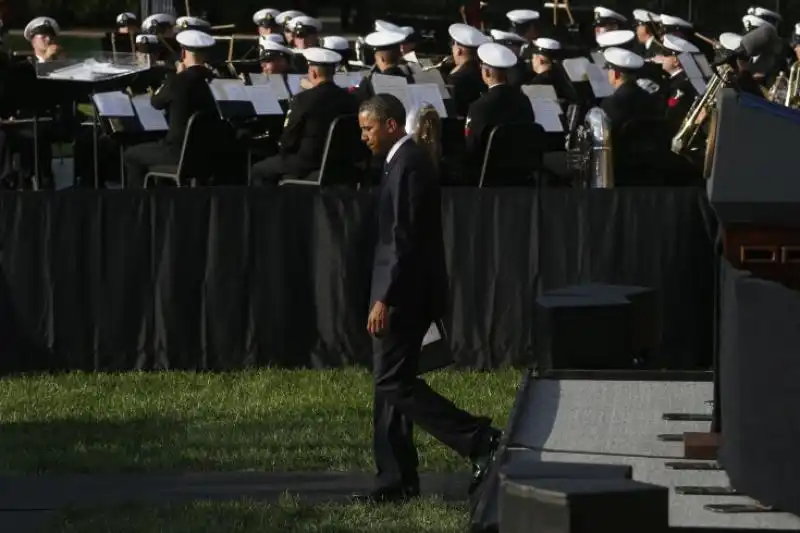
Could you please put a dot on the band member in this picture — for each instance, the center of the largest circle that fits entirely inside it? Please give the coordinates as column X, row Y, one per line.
column 408, row 292
column 284, row 19
column 309, row 118
column 681, row 92
column 192, row 23
column 266, row 21
column 677, row 26
column 465, row 77
column 409, row 44
column 341, row 46
column 766, row 14
column 519, row 74
column 646, row 21
column 305, row 32
column 42, row 33
column 547, row 71
column 607, row 20
column 502, row 104
column 743, row 77
column 651, row 74
column 388, row 61
column 160, row 24
column 630, row 100
column 127, row 23
column 275, row 58
column 185, row 93
column 525, row 23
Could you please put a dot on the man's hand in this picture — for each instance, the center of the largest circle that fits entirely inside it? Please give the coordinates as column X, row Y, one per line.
column 51, row 51
column 376, row 322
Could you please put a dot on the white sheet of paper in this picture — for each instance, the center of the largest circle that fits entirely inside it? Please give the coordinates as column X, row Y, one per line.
column 422, row 93
column 599, row 81
column 576, row 68
column 540, row 92
column 293, row 81
column 434, row 77
column 264, row 100
column 400, row 92
column 411, row 57
column 278, row 85
column 548, row 115
column 347, row 80
column 382, row 80
column 690, row 67
column 229, row 91
column 699, row 84
column 150, row 118
column 702, row 62
column 432, row 335
column 113, row 104
column 258, row 78
column 598, row 59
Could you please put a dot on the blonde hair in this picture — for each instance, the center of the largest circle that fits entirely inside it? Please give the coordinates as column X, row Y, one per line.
column 427, row 132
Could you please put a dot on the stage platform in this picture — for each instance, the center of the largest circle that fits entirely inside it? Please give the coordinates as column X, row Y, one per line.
column 618, row 422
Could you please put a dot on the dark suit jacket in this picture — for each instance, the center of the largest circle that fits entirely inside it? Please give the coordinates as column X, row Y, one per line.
column 409, row 272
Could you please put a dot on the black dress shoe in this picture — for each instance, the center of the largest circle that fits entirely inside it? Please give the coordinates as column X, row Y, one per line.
column 387, row 496
column 483, row 457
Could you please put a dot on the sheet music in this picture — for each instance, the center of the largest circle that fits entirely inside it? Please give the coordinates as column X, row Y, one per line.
column 702, row 62
column 382, row 80
column 113, row 104
column 434, row 77
column 598, row 59
column 401, row 93
column 690, row 67
column 229, row 91
column 293, row 81
column 347, row 80
column 150, row 118
column 411, row 57
column 548, row 115
column 699, row 84
column 278, row 86
column 264, row 100
column 432, row 335
column 540, row 92
column 419, row 94
column 576, row 68
column 599, row 81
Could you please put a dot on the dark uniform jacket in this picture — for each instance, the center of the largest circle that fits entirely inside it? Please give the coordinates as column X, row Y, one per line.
column 503, row 104
column 558, row 79
column 681, row 95
column 182, row 96
column 409, row 272
column 307, row 123
column 520, row 74
column 467, row 86
column 630, row 101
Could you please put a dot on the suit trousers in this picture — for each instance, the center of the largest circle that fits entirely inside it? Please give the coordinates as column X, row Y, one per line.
column 402, row 400
column 141, row 158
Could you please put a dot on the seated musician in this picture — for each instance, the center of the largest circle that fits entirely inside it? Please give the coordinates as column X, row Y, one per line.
column 520, row 74
column 651, row 75
column 127, row 23
column 677, row 26
column 741, row 68
column 305, row 32
column 192, row 23
column 275, row 58
column 42, row 32
column 502, row 104
column 309, row 118
column 284, row 20
column 648, row 46
column 184, row 93
column 388, row 61
column 265, row 20
column 341, row 46
column 548, row 72
column 465, row 77
column 630, row 100
column 681, row 91
column 608, row 20
column 525, row 23
column 409, row 45
column 159, row 24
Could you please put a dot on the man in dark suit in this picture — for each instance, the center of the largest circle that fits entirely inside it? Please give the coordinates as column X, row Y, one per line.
column 408, row 292
column 307, row 123
column 183, row 95
column 681, row 92
column 503, row 104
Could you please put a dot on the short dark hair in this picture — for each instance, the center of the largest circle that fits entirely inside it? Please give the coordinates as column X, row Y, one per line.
column 326, row 71
column 384, row 107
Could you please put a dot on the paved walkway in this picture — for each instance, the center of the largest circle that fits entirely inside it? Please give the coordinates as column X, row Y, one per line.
column 27, row 503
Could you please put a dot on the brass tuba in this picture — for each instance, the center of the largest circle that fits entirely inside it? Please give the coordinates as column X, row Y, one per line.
column 793, row 87
column 700, row 112
column 592, row 155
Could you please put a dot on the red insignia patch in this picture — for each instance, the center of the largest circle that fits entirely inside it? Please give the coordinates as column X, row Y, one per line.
column 672, row 102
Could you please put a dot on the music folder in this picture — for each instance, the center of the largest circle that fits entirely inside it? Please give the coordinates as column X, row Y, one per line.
column 236, row 100
column 123, row 114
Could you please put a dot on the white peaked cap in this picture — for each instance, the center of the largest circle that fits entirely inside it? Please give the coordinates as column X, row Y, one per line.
column 38, row 23
column 272, row 46
column 669, row 20
column 385, row 25
column 614, row 38
column 521, row 16
column 385, row 39
column 335, row 43
column 499, row 35
column 763, row 12
column 158, row 18
column 496, row 55
column 467, row 35
column 144, row 38
column 797, row 29
column 679, row 44
column 544, row 43
column 272, row 37
column 754, row 21
column 287, row 16
column 623, row 59
column 321, row 56
column 192, row 23
column 195, row 39
column 605, row 13
column 306, row 22
column 730, row 41
column 126, row 18
column 265, row 14
column 643, row 15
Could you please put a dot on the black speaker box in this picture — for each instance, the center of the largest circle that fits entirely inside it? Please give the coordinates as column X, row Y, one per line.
column 583, row 506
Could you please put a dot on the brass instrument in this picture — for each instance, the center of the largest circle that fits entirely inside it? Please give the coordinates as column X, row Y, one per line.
column 592, row 156
column 780, row 89
column 441, row 64
column 793, row 87
column 700, row 111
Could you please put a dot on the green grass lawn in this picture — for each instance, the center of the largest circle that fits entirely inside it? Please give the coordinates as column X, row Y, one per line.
column 269, row 420
column 287, row 516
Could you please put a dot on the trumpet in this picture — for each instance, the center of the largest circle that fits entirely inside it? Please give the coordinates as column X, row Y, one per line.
column 446, row 62
column 700, row 111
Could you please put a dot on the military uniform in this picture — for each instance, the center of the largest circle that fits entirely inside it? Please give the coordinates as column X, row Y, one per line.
column 520, row 74
column 629, row 102
column 502, row 104
column 181, row 96
column 681, row 95
column 467, row 86
column 305, row 133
